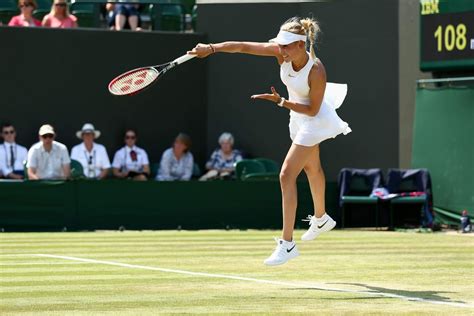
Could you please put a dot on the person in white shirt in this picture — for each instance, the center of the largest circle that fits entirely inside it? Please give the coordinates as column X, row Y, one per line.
column 12, row 155
column 131, row 161
column 92, row 156
column 48, row 159
column 177, row 162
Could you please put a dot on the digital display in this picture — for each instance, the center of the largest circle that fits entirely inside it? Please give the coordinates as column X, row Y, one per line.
column 447, row 35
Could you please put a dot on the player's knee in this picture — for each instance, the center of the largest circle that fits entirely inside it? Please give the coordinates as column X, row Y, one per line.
column 286, row 175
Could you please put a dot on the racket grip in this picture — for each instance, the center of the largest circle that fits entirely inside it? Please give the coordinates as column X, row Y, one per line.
column 183, row 58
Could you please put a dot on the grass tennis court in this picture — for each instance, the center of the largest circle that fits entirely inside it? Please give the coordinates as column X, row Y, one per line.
column 145, row 273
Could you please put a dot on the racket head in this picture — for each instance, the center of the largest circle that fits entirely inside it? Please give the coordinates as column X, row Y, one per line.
column 133, row 81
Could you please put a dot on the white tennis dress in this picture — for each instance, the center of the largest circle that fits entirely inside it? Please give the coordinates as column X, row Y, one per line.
column 311, row 130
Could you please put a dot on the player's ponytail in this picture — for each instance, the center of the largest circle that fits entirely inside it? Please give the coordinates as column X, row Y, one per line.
column 311, row 29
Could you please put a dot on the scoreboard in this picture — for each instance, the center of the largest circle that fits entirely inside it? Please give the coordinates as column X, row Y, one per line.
column 446, row 35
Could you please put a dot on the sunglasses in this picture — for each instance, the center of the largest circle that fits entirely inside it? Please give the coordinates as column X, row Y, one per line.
column 47, row 136
column 60, row 4
column 26, row 5
column 130, row 137
column 8, row 132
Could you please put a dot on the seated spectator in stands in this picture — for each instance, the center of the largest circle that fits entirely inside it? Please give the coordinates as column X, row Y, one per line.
column 48, row 159
column 93, row 157
column 25, row 18
column 177, row 162
column 131, row 161
column 222, row 161
column 59, row 17
column 12, row 155
column 123, row 16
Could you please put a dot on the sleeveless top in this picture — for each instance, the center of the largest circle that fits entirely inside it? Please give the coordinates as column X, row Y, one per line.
column 298, row 90
column 297, row 81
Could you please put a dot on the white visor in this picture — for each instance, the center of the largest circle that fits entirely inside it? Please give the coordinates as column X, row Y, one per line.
column 285, row 38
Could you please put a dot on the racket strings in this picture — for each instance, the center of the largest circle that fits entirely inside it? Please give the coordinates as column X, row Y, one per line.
column 133, row 82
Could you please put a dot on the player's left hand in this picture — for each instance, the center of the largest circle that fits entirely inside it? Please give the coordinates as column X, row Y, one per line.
column 273, row 97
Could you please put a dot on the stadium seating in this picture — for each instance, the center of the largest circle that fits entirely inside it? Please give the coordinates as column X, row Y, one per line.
column 8, row 9
column 44, row 7
column 167, row 16
column 355, row 187
column 253, row 169
column 77, row 172
column 87, row 14
column 194, row 15
column 270, row 165
column 401, row 181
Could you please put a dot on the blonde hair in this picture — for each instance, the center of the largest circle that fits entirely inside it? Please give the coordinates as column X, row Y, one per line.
column 306, row 26
column 53, row 9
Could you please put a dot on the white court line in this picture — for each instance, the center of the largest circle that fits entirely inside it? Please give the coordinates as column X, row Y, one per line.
column 234, row 277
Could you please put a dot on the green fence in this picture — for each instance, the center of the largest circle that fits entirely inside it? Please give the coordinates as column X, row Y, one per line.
column 88, row 205
column 444, row 143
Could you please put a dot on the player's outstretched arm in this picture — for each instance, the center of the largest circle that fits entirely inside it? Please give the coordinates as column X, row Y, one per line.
column 252, row 48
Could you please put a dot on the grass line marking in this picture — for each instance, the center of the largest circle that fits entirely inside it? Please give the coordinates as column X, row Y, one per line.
column 262, row 281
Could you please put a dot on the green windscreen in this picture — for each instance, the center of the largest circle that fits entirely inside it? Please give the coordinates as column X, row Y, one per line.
column 443, row 142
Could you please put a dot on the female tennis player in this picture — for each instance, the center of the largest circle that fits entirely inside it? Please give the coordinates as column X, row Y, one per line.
column 312, row 103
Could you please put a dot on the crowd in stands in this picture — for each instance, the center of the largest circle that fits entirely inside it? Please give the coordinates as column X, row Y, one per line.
column 118, row 16
column 59, row 17
column 49, row 159
column 114, row 16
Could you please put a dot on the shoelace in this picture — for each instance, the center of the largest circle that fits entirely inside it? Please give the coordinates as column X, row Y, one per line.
column 308, row 219
column 278, row 247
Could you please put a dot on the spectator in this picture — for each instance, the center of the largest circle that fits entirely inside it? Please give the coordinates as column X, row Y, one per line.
column 12, row 155
column 177, row 162
column 131, row 161
column 59, row 17
column 93, row 157
column 124, row 16
column 222, row 161
column 48, row 159
column 25, row 18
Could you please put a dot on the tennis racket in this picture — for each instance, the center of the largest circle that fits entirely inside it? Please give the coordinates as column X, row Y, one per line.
column 139, row 79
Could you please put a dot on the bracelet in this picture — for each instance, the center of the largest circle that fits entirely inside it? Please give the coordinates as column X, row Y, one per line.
column 281, row 102
column 212, row 48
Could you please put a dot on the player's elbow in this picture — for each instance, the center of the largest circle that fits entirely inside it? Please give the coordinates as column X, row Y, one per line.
column 312, row 112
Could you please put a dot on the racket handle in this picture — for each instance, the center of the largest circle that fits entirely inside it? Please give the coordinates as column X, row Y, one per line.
column 183, row 58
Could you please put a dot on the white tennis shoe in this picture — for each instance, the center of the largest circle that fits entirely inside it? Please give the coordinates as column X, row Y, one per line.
column 284, row 251
column 318, row 226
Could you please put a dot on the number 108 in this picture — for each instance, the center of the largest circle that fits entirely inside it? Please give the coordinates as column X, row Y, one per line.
column 451, row 37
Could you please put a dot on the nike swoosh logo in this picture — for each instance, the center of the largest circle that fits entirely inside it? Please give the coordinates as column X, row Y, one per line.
column 291, row 76
column 323, row 224
column 289, row 250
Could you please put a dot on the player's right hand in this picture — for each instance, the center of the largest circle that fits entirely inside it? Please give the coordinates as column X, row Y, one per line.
column 201, row 50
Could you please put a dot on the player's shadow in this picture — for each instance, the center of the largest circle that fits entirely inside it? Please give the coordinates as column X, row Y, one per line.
column 427, row 295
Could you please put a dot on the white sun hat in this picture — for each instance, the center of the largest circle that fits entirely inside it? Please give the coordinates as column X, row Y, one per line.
column 285, row 38
column 46, row 129
column 88, row 128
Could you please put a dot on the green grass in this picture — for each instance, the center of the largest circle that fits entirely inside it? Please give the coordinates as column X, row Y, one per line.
column 437, row 267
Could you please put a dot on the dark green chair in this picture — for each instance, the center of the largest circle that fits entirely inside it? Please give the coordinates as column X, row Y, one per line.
column 359, row 193
column 167, row 16
column 247, row 167
column 188, row 5
column 8, row 9
column 270, row 165
column 44, row 7
column 154, row 168
column 87, row 14
column 25, row 170
column 406, row 185
column 194, row 16
column 77, row 171
column 196, row 171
